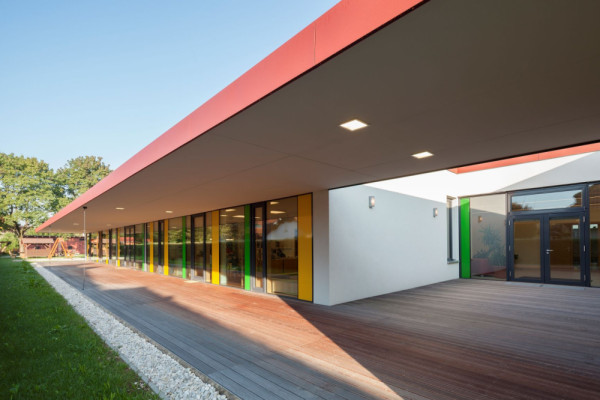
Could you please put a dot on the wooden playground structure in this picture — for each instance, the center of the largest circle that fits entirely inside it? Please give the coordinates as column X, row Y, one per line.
column 60, row 241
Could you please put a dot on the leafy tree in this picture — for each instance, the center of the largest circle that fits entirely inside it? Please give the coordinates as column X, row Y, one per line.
column 8, row 242
column 77, row 176
column 26, row 193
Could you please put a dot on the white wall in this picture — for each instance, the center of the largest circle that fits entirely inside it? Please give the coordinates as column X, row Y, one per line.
column 361, row 252
column 321, row 271
column 395, row 246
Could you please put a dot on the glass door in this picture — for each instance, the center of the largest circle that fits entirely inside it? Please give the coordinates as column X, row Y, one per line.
column 258, row 259
column 198, row 247
column 526, row 249
column 547, row 248
column 563, row 250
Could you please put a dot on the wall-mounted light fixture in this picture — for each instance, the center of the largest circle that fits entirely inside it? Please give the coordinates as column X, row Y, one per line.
column 480, row 219
column 435, row 212
column 371, row 201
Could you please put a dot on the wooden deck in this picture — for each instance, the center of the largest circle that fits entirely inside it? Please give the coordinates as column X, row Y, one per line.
column 462, row 339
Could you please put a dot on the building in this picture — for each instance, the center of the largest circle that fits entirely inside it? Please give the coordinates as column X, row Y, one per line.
column 35, row 246
column 261, row 187
column 41, row 246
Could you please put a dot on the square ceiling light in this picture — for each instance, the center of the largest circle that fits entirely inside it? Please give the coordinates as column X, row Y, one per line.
column 353, row 125
column 423, row 154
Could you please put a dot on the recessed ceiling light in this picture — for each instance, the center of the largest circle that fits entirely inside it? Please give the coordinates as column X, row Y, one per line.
column 119, row 208
column 229, row 209
column 277, row 212
column 273, row 202
column 169, row 212
column 353, row 125
column 238, row 216
column 224, row 215
column 423, row 154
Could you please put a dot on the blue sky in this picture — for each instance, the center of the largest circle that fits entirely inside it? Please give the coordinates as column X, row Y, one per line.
column 106, row 78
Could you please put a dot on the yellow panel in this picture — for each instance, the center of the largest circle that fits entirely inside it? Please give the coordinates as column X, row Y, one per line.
column 166, row 244
column 151, row 245
column 305, row 253
column 215, row 247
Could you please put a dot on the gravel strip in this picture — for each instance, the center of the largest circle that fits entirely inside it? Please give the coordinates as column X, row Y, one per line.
column 161, row 372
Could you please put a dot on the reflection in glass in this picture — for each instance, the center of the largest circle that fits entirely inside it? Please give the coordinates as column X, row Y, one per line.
column 138, row 243
column 594, row 194
column 231, row 246
column 158, row 246
column 104, row 241
column 527, row 249
column 199, row 250
column 128, row 244
column 175, row 239
column 488, row 236
column 113, row 244
column 258, row 247
column 188, row 247
column 121, row 245
column 565, row 261
column 148, row 244
column 546, row 201
column 93, row 245
column 282, row 246
column 209, row 247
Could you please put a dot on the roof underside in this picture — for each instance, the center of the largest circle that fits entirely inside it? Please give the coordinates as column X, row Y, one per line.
column 470, row 81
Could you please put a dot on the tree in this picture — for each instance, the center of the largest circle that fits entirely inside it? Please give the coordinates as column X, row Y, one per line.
column 77, row 176
column 26, row 193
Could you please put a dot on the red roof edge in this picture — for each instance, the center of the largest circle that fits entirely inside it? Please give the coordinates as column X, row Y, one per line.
column 341, row 26
column 546, row 155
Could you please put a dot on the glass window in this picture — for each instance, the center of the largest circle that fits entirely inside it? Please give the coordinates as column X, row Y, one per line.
column 128, row 244
column 527, row 242
column 546, row 201
column 147, row 244
column 121, row 245
column 138, row 245
column 175, row 239
column 231, row 246
column 188, row 247
column 209, row 247
column 451, row 224
column 594, row 195
column 199, row 249
column 113, row 244
column 282, row 246
column 104, row 241
column 488, row 236
column 93, row 244
column 158, row 247
column 259, row 244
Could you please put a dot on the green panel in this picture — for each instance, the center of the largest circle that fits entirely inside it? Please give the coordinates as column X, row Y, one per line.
column 183, row 249
column 247, row 248
column 465, row 238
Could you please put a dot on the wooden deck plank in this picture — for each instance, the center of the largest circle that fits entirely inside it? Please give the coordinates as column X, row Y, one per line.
column 458, row 339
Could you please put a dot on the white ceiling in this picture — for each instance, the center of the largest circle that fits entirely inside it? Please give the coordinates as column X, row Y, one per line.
column 470, row 81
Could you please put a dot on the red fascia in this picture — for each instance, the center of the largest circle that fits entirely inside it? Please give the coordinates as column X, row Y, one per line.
column 546, row 155
column 340, row 27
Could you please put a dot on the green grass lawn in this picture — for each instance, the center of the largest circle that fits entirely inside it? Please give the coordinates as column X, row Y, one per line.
column 47, row 350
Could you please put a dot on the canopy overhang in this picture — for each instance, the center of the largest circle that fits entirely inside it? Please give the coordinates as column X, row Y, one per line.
column 469, row 81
